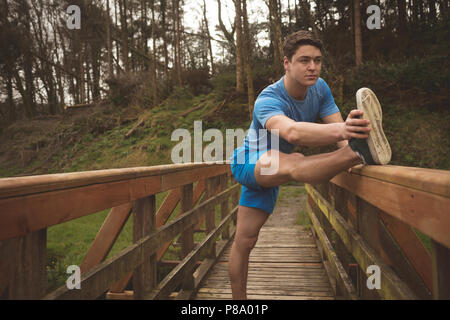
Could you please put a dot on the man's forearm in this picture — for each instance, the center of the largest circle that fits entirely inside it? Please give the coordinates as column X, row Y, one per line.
column 315, row 134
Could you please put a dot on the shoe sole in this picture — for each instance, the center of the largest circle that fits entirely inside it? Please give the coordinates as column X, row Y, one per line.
column 379, row 146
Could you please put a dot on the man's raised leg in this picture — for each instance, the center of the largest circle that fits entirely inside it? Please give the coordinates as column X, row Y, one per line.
column 249, row 222
column 310, row 169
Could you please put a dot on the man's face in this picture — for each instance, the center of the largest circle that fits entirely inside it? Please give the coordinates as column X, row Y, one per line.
column 305, row 65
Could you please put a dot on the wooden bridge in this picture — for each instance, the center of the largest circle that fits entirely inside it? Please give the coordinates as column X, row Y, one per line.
column 363, row 225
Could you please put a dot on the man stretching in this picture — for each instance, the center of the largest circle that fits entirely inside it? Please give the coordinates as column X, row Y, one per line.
column 284, row 116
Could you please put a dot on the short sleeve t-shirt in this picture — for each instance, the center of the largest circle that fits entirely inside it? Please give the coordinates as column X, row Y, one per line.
column 274, row 100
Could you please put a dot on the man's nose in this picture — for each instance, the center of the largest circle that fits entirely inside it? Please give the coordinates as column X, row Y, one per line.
column 311, row 65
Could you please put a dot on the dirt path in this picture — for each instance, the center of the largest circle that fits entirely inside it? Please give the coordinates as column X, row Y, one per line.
column 290, row 208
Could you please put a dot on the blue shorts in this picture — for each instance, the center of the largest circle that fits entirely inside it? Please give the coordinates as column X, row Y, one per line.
column 252, row 194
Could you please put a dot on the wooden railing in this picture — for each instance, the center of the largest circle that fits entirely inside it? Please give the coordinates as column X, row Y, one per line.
column 29, row 205
column 367, row 218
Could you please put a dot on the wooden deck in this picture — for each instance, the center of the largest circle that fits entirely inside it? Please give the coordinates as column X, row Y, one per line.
column 284, row 265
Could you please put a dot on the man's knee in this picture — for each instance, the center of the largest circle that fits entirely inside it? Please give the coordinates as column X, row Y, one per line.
column 246, row 244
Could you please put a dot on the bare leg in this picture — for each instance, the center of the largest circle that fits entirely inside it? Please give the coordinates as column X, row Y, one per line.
column 311, row 169
column 249, row 222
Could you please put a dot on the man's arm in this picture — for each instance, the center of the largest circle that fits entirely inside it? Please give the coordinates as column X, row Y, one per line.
column 314, row 134
column 336, row 118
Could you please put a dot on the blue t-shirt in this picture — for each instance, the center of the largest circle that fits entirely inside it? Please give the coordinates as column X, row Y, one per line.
column 274, row 100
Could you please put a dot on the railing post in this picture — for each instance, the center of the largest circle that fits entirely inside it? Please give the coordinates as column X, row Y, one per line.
column 187, row 236
column 224, row 207
column 440, row 256
column 144, row 277
column 210, row 220
column 23, row 266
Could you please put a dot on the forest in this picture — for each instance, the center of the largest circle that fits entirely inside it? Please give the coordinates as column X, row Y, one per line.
column 79, row 77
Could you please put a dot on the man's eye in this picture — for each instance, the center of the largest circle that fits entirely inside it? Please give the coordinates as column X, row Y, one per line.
column 304, row 60
column 318, row 60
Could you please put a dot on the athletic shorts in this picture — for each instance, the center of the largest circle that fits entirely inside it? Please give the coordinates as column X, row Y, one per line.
column 252, row 194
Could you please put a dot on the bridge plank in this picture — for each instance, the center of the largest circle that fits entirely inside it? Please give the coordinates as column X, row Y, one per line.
column 275, row 271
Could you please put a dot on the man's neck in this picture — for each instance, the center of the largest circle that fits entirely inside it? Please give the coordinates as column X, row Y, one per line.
column 295, row 90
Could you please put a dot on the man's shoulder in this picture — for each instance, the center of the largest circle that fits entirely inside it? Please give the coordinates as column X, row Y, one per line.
column 272, row 91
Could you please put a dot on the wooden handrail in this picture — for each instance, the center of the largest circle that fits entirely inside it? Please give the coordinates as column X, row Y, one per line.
column 417, row 196
column 374, row 211
column 20, row 186
column 428, row 180
column 67, row 196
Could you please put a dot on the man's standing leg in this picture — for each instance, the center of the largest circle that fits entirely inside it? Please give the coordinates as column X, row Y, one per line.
column 249, row 222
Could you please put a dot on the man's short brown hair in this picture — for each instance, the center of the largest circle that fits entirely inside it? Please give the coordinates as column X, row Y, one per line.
column 296, row 39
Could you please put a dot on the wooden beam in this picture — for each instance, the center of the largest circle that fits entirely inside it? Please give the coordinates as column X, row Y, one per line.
column 441, row 267
column 341, row 276
column 87, row 192
column 106, row 236
column 187, row 236
column 97, row 280
column 168, row 285
column 427, row 212
column 428, row 180
column 391, row 286
column 19, row 186
column 411, row 246
column 203, row 270
column 144, row 276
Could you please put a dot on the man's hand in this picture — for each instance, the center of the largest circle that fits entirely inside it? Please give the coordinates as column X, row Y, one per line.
column 354, row 127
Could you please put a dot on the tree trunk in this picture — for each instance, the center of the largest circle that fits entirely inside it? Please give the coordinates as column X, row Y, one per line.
column 163, row 5
column 277, row 36
column 239, row 64
column 358, row 40
column 247, row 55
column 176, row 8
column 118, row 69
column 9, row 90
column 123, row 22
column 209, row 39
column 432, row 14
column 154, row 80
column 401, row 17
column 80, row 79
column 415, row 11
column 229, row 36
column 108, row 41
column 28, row 62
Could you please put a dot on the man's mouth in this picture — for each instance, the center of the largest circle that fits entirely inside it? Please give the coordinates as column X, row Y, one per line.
column 311, row 77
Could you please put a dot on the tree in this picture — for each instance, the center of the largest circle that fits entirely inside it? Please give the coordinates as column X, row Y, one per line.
column 154, row 74
column 275, row 27
column 213, row 71
column 358, row 40
column 239, row 53
column 247, row 55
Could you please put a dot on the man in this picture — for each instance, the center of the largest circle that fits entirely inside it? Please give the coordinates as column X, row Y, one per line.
column 284, row 116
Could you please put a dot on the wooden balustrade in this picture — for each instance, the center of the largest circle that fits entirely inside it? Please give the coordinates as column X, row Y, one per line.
column 368, row 218
column 29, row 205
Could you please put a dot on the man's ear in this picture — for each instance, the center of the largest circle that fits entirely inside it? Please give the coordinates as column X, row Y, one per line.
column 286, row 63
